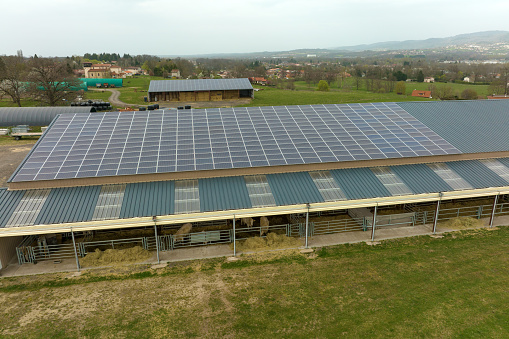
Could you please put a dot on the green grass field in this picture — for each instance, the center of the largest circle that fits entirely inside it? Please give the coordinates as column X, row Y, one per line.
column 454, row 287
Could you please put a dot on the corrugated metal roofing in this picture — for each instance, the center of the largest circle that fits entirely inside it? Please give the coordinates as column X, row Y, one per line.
column 470, row 126
column 198, row 85
column 360, row 183
column 69, row 204
column 505, row 161
column 477, row 174
column 8, row 202
column 36, row 116
column 146, row 199
column 421, row 179
column 293, row 188
column 218, row 194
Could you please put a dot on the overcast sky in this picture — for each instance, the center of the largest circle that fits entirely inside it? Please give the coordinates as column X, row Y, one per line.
column 171, row 27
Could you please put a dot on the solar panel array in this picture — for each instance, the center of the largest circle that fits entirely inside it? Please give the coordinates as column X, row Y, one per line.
column 199, row 85
column 108, row 144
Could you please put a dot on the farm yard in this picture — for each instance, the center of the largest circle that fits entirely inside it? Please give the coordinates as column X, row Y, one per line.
column 414, row 287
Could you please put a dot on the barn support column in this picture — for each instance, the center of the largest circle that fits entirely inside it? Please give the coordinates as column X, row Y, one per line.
column 374, row 223
column 495, row 201
column 75, row 252
column 307, row 224
column 234, row 239
column 157, row 238
column 436, row 215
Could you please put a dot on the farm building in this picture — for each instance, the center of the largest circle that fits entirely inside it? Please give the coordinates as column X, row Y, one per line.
column 217, row 173
column 200, row 90
column 36, row 116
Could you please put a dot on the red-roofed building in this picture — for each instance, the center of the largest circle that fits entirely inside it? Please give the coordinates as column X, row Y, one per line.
column 422, row 94
column 258, row 80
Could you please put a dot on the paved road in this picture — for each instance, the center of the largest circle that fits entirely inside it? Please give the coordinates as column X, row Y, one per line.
column 114, row 97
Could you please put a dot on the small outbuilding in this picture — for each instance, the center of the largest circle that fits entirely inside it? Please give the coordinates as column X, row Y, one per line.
column 200, row 90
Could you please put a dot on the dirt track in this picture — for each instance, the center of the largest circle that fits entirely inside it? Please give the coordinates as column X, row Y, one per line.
column 10, row 158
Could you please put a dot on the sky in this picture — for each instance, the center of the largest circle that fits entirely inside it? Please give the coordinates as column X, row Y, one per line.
column 170, row 27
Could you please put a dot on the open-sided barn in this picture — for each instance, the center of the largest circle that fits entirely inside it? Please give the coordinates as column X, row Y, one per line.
column 200, row 90
column 97, row 172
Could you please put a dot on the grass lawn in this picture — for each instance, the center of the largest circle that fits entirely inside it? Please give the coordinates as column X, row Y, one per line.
column 277, row 97
column 10, row 141
column 454, row 287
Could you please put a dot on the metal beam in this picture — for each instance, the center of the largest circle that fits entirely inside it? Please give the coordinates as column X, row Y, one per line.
column 307, row 225
column 374, row 223
column 157, row 239
column 435, row 220
column 492, row 218
column 75, row 252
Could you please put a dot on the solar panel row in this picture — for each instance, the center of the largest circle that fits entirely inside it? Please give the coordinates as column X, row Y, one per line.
column 107, row 144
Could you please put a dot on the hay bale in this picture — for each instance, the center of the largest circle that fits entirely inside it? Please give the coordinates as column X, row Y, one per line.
column 115, row 256
column 460, row 223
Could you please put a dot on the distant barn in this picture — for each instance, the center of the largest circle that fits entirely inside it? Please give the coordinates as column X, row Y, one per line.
column 200, row 90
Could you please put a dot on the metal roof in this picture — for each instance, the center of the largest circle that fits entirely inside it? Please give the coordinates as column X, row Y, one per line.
column 36, row 116
column 477, row 174
column 199, row 85
column 359, row 183
column 69, row 204
column 227, row 193
column 148, row 199
column 421, row 179
column 293, row 188
column 77, row 204
column 470, row 126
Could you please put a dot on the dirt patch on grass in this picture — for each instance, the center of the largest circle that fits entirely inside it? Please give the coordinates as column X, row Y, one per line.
column 12, row 156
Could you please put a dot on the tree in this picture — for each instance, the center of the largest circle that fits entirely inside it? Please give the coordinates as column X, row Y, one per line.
column 500, row 85
column 13, row 73
column 51, row 82
column 323, row 86
column 420, row 76
column 400, row 76
column 469, row 94
column 400, row 87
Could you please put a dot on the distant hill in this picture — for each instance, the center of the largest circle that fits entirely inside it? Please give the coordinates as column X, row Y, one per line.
column 480, row 38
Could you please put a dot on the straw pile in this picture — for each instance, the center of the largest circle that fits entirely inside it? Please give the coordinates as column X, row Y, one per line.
column 272, row 241
column 461, row 223
column 115, row 257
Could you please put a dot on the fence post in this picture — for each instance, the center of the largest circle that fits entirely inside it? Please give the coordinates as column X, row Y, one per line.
column 436, row 214
column 307, row 224
column 157, row 238
column 234, row 238
column 374, row 223
column 495, row 201
column 75, row 253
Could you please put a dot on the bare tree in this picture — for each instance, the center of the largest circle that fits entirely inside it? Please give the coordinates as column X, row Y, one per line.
column 13, row 73
column 51, row 82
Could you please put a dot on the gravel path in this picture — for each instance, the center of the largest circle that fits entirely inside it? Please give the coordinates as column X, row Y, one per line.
column 114, row 97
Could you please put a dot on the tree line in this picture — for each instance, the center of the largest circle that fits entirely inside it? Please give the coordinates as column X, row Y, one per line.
column 48, row 81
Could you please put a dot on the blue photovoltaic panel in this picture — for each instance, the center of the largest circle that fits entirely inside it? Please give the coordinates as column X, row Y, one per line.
column 108, row 144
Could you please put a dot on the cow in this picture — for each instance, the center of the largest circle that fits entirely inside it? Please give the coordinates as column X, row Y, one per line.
column 264, row 226
column 247, row 221
column 181, row 233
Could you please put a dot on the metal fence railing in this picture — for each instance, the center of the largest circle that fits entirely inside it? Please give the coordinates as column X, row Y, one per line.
column 33, row 248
